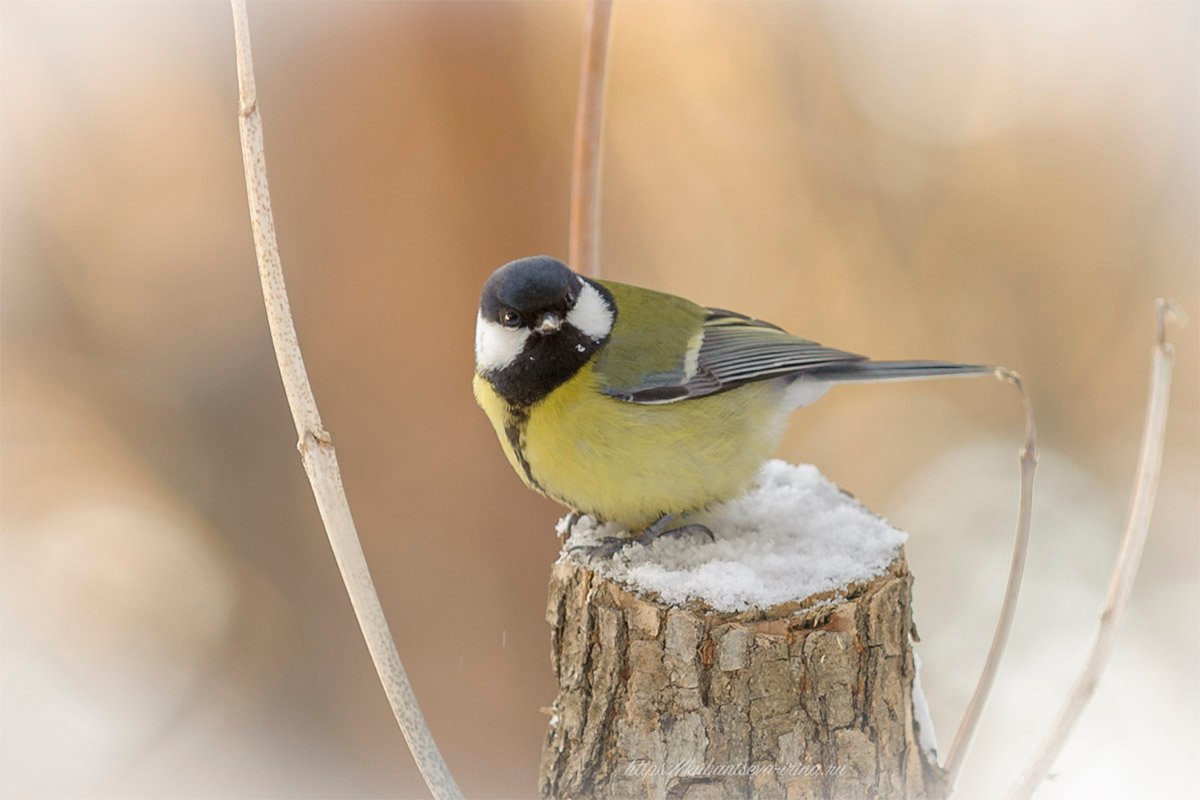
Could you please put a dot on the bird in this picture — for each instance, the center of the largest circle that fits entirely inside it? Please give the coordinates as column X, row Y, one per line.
column 639, row 407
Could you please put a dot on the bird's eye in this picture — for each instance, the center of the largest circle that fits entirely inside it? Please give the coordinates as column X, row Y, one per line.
column 510, row 319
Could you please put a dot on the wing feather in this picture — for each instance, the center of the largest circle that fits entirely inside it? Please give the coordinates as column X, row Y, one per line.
column 735, row 350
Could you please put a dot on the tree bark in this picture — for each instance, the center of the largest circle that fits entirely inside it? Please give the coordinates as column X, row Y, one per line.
column 811, row 699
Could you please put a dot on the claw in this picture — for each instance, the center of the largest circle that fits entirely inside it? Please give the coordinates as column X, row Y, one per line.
column 659, row 529
column 608, row 547
column 678, row 533
column 611, row 545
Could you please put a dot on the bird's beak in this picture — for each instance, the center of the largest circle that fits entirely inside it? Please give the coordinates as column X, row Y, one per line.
column 549, row 323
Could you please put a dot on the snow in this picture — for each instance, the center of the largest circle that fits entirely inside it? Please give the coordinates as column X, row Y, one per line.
column 793, row 534
column 925, row 735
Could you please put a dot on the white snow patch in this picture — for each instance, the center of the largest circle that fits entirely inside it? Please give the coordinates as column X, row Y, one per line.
column 791, row 535
column 925, row 735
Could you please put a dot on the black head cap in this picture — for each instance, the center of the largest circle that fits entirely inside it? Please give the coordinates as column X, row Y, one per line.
column 529, row 286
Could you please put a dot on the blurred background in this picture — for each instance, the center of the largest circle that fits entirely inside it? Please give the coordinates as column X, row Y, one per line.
column 1011, row 183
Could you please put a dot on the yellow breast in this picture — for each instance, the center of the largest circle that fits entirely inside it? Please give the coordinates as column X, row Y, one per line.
column 632, row 463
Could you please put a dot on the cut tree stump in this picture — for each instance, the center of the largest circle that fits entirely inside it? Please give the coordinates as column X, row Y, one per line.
column 807, row 699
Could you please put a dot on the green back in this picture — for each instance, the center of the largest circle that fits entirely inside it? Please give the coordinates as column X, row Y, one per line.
column 650, row 338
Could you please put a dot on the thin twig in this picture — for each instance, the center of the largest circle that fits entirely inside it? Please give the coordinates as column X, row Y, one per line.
column 316, row 447
column 583, row 244
column 1129, row 557
column 1008, row 608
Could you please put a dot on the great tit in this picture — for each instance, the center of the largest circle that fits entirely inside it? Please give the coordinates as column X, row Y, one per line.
column 635, row 406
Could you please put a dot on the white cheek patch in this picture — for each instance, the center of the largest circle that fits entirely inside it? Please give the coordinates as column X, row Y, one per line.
column 591, row 313
column 497, row 346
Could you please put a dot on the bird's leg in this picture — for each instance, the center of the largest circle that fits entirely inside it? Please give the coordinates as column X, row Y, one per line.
column 572, row 519
column 655, row 529
column 658, row 529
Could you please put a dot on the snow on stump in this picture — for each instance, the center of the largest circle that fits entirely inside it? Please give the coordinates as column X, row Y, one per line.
column 773, row 663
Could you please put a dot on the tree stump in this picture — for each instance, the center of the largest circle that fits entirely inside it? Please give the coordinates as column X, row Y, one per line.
column 805, row 699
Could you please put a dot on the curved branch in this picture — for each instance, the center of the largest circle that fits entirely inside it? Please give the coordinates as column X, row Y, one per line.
column 1008, row 608
column 1129, row 557
column 316, row 447
column 583, row 244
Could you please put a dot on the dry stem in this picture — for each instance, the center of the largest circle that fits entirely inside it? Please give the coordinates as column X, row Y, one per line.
column 583, row 244
column 316, row 447
column 1008, row 608
column 1128, row 559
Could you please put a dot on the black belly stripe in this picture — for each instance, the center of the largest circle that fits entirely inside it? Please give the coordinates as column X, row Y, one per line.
column 514, row 429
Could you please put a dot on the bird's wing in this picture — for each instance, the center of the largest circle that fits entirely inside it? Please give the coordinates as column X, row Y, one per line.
column 723, row 351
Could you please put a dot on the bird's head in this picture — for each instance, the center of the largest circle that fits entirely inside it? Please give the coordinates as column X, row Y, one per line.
column 536, row 308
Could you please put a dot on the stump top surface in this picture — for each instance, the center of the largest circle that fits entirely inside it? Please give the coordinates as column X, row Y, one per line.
column 792, row 535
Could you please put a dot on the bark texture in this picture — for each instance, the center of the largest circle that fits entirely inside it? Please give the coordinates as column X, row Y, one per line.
column 811, row 699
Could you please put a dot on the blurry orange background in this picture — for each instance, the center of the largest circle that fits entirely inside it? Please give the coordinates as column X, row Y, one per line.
column 998, row 182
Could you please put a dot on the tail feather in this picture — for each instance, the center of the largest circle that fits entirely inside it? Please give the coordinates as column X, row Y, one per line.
column 894, row 371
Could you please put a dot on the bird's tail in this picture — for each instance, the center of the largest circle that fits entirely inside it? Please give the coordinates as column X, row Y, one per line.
column 894, row 371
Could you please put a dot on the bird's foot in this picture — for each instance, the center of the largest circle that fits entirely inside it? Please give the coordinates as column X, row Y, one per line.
column 681, row 532
column 611, row 545
column 606, row 548
column 660, row 528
